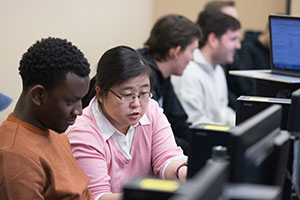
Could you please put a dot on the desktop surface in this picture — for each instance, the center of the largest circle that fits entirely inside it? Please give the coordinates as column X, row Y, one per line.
column 265, row 74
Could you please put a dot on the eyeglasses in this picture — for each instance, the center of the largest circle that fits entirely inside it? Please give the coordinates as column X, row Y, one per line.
column 127, row 98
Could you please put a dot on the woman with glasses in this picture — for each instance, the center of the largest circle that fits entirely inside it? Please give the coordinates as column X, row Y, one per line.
column 123, row 133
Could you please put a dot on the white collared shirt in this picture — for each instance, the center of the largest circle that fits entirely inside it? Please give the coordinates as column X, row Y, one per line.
column 123, row 141
column 203, row 93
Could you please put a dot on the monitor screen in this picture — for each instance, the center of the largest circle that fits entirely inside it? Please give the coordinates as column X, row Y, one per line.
column 293, row 126
column 201, row 142
column 285, row 42
column 294, row 113
column 258, row 149
column 207, row 184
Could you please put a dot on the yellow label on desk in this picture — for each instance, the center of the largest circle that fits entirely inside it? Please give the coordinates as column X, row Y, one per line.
column 216, row 127
column 158, row 184
column 258, row 99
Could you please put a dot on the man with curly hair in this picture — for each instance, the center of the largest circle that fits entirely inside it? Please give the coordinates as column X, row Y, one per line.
column 35, row 158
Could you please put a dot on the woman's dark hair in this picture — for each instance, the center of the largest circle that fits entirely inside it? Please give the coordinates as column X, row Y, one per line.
column 119, row 65
column 48, row 61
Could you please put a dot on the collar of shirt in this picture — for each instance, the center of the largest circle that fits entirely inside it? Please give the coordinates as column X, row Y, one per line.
column 199, row 59
column 106, row 128
column 124, row 142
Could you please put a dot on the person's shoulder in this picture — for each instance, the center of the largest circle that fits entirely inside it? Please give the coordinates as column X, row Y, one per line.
column 152, row 106
column 141, row 50
column 82, row 129
column 193, row 71
column 250, row 40
column 8, row 134
column 58, row 137
column 153, row 109
column 220, row 75
column 85, row 121
column 153, row 114
column 14, row 156
column 21, row 168
column 219, row 69
column 18, row 161
column 85, row 130
column 251, row 35
column 8, row 126
column 191, row 67
column 144, row 53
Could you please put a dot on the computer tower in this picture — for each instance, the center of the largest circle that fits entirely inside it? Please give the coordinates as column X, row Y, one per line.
column 247, row 106
column 201, row 142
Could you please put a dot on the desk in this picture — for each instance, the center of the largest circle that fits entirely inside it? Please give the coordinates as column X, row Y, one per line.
column 270, row 85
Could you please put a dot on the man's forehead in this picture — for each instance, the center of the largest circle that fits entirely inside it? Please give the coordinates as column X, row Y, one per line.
column 231, row 33
column 72, row 83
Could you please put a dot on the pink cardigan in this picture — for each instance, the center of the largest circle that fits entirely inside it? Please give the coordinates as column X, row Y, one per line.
column 108, row 169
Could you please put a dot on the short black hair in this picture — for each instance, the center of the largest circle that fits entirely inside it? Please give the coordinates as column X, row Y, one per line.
column 216, row 22
column 49, row 60
column 118, row 65
column 171, row 31
column 217, row 5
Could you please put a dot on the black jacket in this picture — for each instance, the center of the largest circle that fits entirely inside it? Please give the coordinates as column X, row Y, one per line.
column 164, row 94
column 252, row 55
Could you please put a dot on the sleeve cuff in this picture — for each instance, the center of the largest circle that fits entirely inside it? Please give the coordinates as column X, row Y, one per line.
column 184, row 158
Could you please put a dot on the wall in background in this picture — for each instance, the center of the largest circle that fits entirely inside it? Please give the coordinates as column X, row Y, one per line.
column 295, row 7
column 94, row 26
column 253, row 14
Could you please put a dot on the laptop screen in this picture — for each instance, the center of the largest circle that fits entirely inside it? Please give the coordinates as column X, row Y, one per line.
column 285, row 43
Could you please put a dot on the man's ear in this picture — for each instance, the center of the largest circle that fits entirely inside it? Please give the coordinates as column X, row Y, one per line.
column 37, row 94
column 98, row 93
column 174, row 52
column 213, row 40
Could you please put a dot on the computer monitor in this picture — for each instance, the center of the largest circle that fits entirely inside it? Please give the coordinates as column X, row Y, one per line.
column 201, row 142
column 207, row 184
column 293, row 126
column 247, row 106
column 284, row 44
column 259, row 150
column 294, row 113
